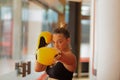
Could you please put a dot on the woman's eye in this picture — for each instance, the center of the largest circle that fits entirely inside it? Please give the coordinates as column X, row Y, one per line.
column 60, row 41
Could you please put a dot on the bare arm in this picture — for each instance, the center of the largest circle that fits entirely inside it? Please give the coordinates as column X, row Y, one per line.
column 69, row 60
column 39, row 67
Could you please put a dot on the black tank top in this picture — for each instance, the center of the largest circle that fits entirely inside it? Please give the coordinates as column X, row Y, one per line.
column 58, row 71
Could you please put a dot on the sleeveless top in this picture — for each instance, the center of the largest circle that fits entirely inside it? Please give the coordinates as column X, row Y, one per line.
column 58, row 71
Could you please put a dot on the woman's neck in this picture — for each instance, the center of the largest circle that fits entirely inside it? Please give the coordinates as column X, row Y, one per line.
column 66, row 49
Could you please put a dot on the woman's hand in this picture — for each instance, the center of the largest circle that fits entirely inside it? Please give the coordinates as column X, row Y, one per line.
column 39, row 67
column 58, row 57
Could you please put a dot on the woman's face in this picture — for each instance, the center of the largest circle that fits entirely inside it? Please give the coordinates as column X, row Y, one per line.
column 60, row 42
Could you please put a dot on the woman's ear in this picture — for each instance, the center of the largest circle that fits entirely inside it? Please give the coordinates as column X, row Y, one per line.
column 68, row 39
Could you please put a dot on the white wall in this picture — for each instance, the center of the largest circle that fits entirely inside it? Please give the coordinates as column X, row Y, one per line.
column 105, row 40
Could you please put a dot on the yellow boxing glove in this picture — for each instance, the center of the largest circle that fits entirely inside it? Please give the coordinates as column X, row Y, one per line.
column 46, row 55
column 44, row 39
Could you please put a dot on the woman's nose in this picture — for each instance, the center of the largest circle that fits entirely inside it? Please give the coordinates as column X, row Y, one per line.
column 56, row 45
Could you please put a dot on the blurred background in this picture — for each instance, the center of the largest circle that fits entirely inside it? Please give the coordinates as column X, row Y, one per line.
column 21, row 21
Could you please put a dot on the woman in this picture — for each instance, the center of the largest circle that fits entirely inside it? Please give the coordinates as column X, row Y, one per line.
column 65, row 62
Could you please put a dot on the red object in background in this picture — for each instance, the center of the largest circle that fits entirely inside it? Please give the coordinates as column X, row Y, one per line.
column 84, row 59
column 6, row 41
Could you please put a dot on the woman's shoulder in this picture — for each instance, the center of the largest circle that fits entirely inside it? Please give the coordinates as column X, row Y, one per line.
column 72, row 54
column 71, row 61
